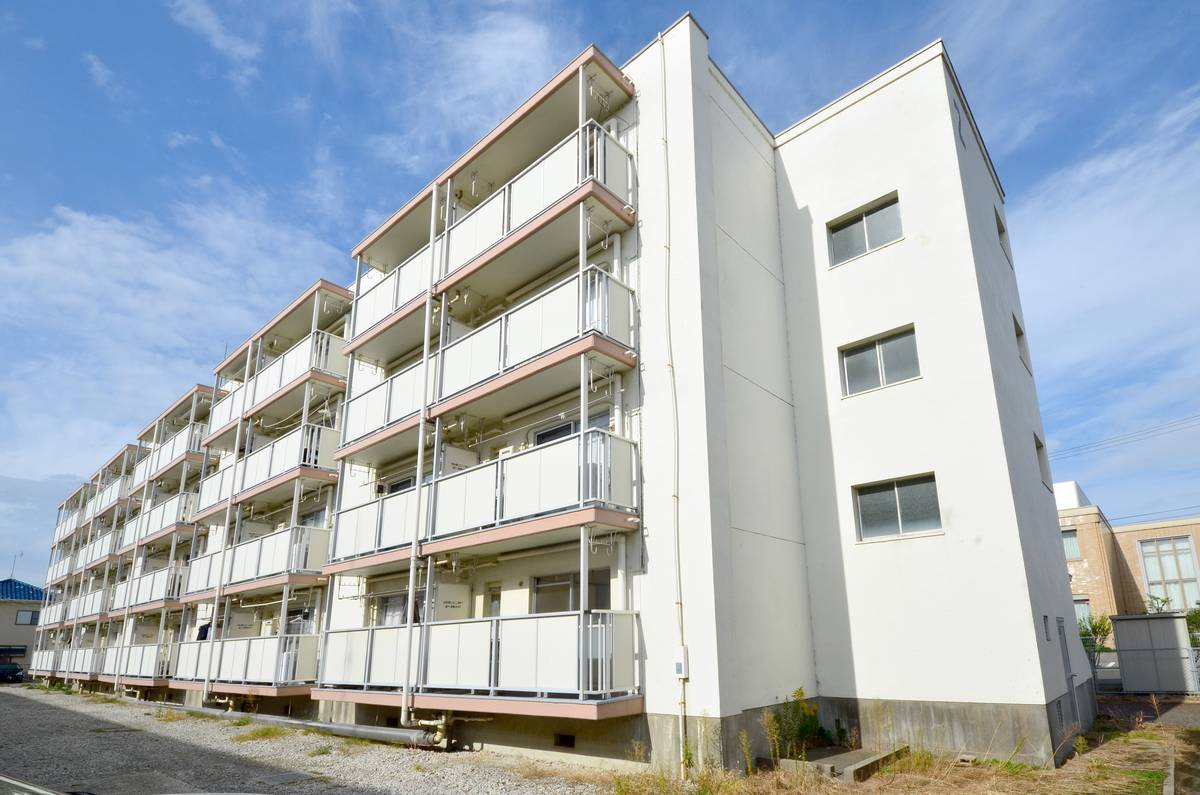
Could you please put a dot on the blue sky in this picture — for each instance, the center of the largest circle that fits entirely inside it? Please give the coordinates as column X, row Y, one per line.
column 171, row 173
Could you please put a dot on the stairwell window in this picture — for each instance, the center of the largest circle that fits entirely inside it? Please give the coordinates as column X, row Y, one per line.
column 1043, row 462
column 885, row 360
column 1022, row 345
column 897, row 507
column 865, row 229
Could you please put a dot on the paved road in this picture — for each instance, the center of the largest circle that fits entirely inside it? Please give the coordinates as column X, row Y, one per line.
column 70, row 750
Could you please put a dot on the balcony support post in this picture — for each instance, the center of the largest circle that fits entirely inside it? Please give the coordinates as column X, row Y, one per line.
column 584, row 568
column 281, row 634
column 422, row 417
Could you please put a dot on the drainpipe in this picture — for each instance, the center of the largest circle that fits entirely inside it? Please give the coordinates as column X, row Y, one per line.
column 670, row 367
column 422, row 417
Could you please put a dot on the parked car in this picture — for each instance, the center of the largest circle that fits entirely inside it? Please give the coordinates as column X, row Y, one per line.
column 11, row 672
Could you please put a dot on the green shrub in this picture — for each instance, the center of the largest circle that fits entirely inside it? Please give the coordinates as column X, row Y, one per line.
column 799, row 727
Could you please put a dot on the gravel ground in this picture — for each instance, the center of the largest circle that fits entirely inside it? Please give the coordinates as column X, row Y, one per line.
column 80, row 743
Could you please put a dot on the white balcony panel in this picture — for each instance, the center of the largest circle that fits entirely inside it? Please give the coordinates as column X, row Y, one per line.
column 459, row 655
column 176, row 510
column 474, row 358
column 141, row 470
column 476, row 231
column 293, row 549
column 551, row 178
column 396, row 398
column 145, row 661
column 53, row 613
column 539, row 653
column 151, row 587
column 393, row 291
column 204, row 572
column 62, row 567
column 308, row 445
column 217, row 487
column 112, row 492
column 45, row 660
column 228, row 408
column 318, row 351
column 267, row 660
column 79, row 661
column 467, row 499
column 344, row 659
column 98, row 549
column 543, row 479
column 185, row 440
column 380, row 524
column 543, row 324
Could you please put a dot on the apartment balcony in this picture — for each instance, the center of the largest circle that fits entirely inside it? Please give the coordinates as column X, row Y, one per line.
column 160, row 520
column 137, row 664
column 506, row 240
column 227, row 411
column 52, row 614
column 149, row 591
column 317, row 355
column 536, row 344
column 293, row 556
column 45, row 661
column 61, row 568
column 141, row 471
column 538, row 491
column 88, row 606
column 78, row 663
column 268, row 665
column 98, row 550
column 575, row 665
column 184, row 444
column 111, row 494
column 66, row 526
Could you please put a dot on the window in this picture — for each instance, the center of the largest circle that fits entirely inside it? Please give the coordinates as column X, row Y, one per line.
column 13, row 651
column 27, row 617
column 559, row 593
column 897, row 507
column 1022, row 345
column 565, row 429
column 865, row 230
column 403, row 484
column 887, row 360
column 1170, row 568
column 1083, row 608
column 1046, row 626
column 1002, row 234
column 1043, row 462
column 1071, row 545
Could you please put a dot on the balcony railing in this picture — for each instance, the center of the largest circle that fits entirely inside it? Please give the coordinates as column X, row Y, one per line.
column 551, row 177
column 89, row 604
column 162, row 584
column 112, row 492
column 64, row 527
column 176, row 510
column 217, row 486
column 393, row 400
column 270, row 660
column 228, row 408
column 141, row 471
column 534, row 654
column 145, row 661
column 46, row 660
column 185, row 440
column 534, row 482
column 548, row 179
column 307, row 446
column 79, row 661
column 52, row 614
column 537, row 326
column 292, row 550
column 318, row 351
column 97, row 550
column 63, row 567
column 393, row 291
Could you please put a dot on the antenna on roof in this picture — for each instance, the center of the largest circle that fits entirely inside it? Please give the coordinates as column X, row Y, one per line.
column 13, row 570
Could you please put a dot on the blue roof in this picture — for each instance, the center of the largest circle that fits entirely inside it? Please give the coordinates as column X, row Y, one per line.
column 20, row 591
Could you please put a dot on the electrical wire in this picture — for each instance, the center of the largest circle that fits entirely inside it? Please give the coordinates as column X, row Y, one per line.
column 1155, row 513
column 1162, row 429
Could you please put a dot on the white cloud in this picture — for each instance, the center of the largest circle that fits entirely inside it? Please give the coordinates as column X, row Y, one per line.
column 241, row 53
column 103, row 76
column 323, row 28
column 229, row 150
column 119, row 315
column 176, row 139
column 1104, row 252
column 325, row 191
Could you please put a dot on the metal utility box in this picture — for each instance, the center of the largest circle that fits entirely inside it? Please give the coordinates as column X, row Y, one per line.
column 1155, row 653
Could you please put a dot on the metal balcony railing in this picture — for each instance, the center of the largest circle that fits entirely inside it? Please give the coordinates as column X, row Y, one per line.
column 295, row 549
column 151, row 587
column 268, row 660
column 144, row 661
column 594, row 655
column 185, row 440
column 319, row 351
column 307, row 446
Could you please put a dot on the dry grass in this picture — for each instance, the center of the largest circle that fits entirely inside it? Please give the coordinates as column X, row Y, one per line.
column 101, row 698
column 261, row 733
column 1121, row 758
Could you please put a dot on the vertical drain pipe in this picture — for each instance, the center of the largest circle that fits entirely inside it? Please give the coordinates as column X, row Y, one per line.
column 421, row 416
column 670, row 365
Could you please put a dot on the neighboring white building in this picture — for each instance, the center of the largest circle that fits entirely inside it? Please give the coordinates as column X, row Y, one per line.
column 700, row 415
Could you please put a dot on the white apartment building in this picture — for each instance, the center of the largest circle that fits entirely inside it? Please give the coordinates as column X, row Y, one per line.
column 636, row 419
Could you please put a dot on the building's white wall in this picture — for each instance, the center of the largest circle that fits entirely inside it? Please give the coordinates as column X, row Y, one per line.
column 1016, row 399
column 872, row 601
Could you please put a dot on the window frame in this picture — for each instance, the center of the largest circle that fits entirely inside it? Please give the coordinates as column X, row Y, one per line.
column 895, row 483
column 33, row 618
column 1002, row 237
column 1075, row 531
column 1162, row 581
column 1022, row 345
column 859, row 215
column 877, row 341
column 1043, row 461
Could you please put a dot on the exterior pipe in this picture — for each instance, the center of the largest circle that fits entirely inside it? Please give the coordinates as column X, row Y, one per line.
column 670, row 367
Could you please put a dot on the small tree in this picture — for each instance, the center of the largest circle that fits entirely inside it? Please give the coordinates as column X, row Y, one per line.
column 1193, row 622
column 1095, row 630
column 1158, row 604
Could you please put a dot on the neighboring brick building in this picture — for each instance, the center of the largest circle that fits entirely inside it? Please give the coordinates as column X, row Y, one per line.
column 1114, row 570
column 19, row 605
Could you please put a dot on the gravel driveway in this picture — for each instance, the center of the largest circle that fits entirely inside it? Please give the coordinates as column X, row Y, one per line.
column 72, row 742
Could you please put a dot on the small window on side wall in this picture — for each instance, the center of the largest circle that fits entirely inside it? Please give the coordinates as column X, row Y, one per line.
column 897, row 507
column 866, row 229
column 1002, row 234
column 886, row 360
column 1022, row 345
column 1043, row 462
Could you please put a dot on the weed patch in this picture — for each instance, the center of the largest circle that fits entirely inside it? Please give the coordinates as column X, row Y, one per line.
column 261, row 733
